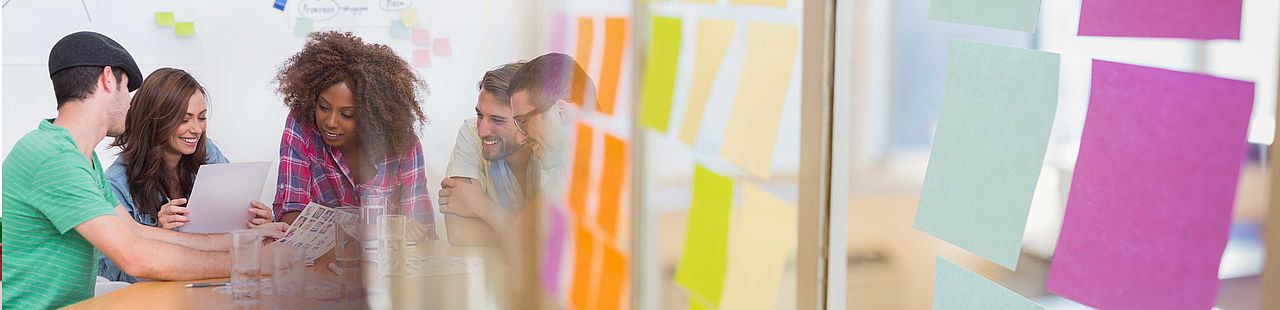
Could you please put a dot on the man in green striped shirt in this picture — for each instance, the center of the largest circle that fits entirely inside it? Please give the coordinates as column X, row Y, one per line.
column 59, row 208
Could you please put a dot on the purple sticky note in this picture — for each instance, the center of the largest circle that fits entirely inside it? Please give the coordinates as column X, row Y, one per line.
column 1150, row 204
column 422, row 58
column 442, row 46
column 1190, row 19
column 421, row 37
column 549, row 274
column 557, row 32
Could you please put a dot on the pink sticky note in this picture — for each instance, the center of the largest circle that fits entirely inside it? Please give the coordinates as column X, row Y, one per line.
column 557, row 32
column 442, row 47
column 422, row 58
column 1191, row 19
column 549, row 274
column 1150, row 205
column 421, row 37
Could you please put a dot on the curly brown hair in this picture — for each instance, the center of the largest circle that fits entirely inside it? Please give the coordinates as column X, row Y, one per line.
column 387, row 90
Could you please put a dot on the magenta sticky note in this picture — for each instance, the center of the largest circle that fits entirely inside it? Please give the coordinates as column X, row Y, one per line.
column 1149, row 208
column 443, row 47
column 421, row 58
column 549, row 274
column 1190, row 19
column 421, row 37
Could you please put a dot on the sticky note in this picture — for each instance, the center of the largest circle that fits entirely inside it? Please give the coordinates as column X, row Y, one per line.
column 1019, row 15
column 611, row 185
column 711, row 45
column 703, row 263
column 615, row 39
column 421, row 58
column 957, row 288
column 993, row 128
column 757, row 108
column 761, row 237
column 443, row 47
column 549, row 272
column 586, row 35
column 303, row 26
column 613, row 279
column 1189, row 19
column 421, row 37
column 773, row 3
column 1149, row 210
column 660, row 72
column 409, row 17
column 279, row 5
column 582, row 294
column 580, row 177
column 398, row 31
column 164, row 19
column 185, row 29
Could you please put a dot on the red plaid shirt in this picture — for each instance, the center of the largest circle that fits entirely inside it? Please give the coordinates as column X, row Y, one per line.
column 311, row 171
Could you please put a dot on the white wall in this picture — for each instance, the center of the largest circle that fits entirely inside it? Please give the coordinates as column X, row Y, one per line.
column 238, row 47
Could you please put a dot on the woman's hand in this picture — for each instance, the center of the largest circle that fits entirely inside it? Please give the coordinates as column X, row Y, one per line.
column 261, row 214
column 173, row 214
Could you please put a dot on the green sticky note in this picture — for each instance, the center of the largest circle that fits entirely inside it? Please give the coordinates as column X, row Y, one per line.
column 957, row 288
column 703, row 264
column 185, row 29
column 1019, row 15
column 660, row 73
column 988, row 147
column 303, row 26
column 164, row 19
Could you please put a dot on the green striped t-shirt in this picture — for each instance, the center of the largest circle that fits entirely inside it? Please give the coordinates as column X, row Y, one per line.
column 49, row 189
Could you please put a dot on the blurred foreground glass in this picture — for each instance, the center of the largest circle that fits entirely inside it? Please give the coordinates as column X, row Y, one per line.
column 245, row 245
column 288, row 277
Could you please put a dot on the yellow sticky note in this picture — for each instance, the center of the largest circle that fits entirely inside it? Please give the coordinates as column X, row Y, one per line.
column 660, row 72
column 773, row 3
column 164, row 19
column 185, row 29
column 762, row 236
column 711, row 45
column 702, row 265
column 757, row 108
column 410, row 18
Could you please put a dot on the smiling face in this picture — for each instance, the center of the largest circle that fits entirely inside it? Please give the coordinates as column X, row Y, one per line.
column 336, row 116
column 190, row 131
column 498, row 135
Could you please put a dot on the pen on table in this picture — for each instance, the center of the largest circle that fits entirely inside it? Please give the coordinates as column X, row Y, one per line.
column 209, row 284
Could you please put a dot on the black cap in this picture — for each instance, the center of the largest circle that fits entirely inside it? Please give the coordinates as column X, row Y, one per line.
column 87, row 48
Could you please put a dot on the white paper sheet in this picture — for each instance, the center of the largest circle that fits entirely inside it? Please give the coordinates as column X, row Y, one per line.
column 221, row 195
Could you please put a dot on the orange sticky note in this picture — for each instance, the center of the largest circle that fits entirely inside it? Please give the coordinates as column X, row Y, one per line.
column 615, row 30
column 615, row 169
column 581, row 175
column 586, row 37
column 583, row 268
column 613, row 279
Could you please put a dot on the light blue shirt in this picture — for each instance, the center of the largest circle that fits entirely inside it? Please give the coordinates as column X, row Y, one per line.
column 118, row 178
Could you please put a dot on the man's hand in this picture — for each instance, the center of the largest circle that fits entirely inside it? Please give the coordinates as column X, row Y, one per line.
column 261, row 214
column 463, row 197
column 173, row 214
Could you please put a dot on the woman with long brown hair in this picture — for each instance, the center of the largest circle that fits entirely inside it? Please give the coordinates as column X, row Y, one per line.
column 163, row 146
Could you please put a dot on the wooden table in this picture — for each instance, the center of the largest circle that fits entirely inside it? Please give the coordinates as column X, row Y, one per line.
column 459, row 291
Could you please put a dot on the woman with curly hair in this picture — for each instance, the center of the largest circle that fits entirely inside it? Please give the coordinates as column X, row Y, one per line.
column 350, row 137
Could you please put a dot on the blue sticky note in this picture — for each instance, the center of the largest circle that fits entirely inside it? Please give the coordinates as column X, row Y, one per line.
column 279, row 4
column 957, row 288
column 303, row 26
column 997, row 112
column 398, row 31
column 1019, row 15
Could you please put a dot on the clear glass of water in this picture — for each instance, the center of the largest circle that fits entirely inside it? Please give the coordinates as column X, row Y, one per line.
column 395, row 240
column 371, row 225
column 245, row 245
column 288, row 277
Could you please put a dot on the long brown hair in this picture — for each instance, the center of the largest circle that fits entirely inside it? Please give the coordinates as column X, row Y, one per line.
column 154, row 114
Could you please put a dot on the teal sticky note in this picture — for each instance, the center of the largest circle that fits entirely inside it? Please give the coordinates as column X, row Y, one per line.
column 660, row 73
column 303, row 26
column 1020, row 15
column 997, row 112
column 957, row 288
